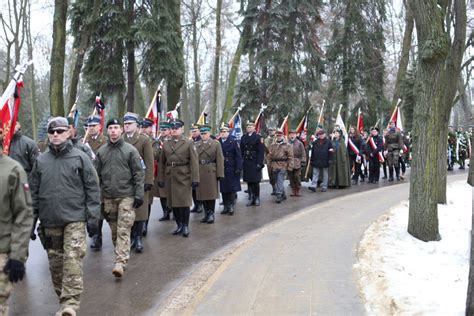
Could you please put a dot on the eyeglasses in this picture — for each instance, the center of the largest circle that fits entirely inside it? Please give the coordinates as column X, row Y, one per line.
column 57, row 131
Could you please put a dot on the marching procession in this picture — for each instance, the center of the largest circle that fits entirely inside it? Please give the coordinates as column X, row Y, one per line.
column 66, row 186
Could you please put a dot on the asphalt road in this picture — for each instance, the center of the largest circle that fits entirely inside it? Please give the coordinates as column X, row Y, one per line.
column 167, row 260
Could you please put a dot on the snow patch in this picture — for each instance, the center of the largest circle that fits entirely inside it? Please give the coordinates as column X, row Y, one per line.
column 400, row 275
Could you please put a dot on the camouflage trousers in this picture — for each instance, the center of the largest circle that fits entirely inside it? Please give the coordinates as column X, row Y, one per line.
column 120, row 215
column 5, row 286
column 65, row 261
column 295, row 178
column 393, row 157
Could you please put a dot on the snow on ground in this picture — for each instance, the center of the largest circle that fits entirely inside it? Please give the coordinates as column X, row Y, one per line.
column 401, row 275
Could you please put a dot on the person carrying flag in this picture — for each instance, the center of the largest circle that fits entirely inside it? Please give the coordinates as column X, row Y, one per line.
column 393, row 145
column 280, row 156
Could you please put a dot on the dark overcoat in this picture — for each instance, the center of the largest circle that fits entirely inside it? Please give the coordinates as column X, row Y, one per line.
column 253, row 151
column 232, row 166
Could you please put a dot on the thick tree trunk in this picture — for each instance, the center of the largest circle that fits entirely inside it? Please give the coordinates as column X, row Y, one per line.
column 405, row 54
column 31, row 70
column 195, row 9
column 130, row 47
column 217, row 58
column 438, row 62
column 58, row 58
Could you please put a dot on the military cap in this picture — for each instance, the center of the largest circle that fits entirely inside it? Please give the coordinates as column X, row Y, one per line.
column 320, row 132
column 147, row 122
column 250, row 123
column 205, row 129
column 224, row 127
column 113, row 121
column 375, row 128
column 93, row 120
column 164, row 125
column 58, row 122
column 194, row 127
column 130, row 117
column 176, row 123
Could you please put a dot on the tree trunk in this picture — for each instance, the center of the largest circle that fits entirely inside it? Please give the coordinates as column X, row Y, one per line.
column 31, row 70
column 141, row 106
column 405, row 54
column 217, row 58
column 58, row 58
column 438, row 62
column 185, row 111
column 470, row 288
column 130, row 47
column 195, row 9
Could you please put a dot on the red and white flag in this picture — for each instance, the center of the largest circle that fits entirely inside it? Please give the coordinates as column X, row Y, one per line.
column 360, row 123
column 302, row 129
column 9, row 112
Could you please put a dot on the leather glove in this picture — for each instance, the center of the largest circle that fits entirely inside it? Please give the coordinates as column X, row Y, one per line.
column 32, row 235
column 237, row 172
column 194, row 185
column 161, row 184
column 148, row 187
column 220, row 178
column 92, row 227
column 137, row 202
column 259, row 166
column 15, row 270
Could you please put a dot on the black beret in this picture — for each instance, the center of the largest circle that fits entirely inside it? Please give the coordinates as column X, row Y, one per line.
column 113, row 121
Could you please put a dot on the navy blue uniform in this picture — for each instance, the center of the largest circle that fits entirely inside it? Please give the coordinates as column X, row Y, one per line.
column 374, row 162
column 252, row 153
column 232, row 166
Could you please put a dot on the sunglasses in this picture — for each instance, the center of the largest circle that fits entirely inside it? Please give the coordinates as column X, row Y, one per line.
column 57, row 131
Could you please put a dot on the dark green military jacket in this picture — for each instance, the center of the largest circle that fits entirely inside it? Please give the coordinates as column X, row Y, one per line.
column 120, row 171
column 15, row 209
column 24, row 150
column 64, row 187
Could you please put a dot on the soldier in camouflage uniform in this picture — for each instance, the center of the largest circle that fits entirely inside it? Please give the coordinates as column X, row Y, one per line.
column 95, row 139
column 65, row 194
column 15, row 227
column 121, row 180
column 451, row 147
column 393, row 145
column 280, row 157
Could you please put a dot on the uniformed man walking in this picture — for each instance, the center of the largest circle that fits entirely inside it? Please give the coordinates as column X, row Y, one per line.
column 75, row 139
column 147, row 130
column 232, row 170
column 158, row 191
column 179, row 169
column 252, row 150
column 196, row 136
column 17, row 218
column 95, row 139
column 65, row 194
column 143, row 144
column 299, row 160
column 122, row 182
column 211, row 170
column 393, row 145
column 281, row 159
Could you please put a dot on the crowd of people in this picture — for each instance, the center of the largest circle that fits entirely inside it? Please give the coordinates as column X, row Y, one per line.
column 71, row 185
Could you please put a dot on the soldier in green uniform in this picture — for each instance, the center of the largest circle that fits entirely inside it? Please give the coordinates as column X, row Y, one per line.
column 157, row 151
column 393, row 145
column 143, row 144
column 95, row 139
column 23, row 149
column 121, row 180
column 179, row 169
column 147, row 130
column 76, row 140
column 451, row 147
column 65, row 194
column 17, row 218
column 211, row 170
column 268, row 142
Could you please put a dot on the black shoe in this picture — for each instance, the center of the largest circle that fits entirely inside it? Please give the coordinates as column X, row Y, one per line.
column 138, row 244
column 384, row 177
column 273, row 193
column 225, row 210
column 250, row 202
column 398, row 178
column 231, row 210
column 257, row 201
column 145, row 229
column 462, row 167
column 362, row 179
column 246, row 191
column 390, row 179
column 185, row 231
column 210, row 218
column 178, row 230
column 200, row 209
column 354, row 182
column 205, row 218
column 312, row 189
column 375, row 182
column 194, row 209
column 324, row 190
column 96, row 243
column 165, row 217
column 279, row 198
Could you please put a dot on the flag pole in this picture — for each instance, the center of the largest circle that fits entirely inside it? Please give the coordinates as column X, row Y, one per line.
column 202, row 113
column 319, row 122
column 93, row 113
column 236, row 112
column 154, row 98
column 394, row 111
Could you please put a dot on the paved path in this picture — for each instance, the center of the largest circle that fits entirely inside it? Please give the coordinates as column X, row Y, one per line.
column 166, row 262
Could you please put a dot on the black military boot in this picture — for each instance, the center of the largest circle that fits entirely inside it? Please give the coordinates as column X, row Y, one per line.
column 390, row 174
column 251, row 200
column 397, row 172
column 132, row 236
column 354, row 181
column 166, row 215
column 256, row 201
column 96, row 243
column 231, row 209
column 225, row 210
column 206, row 216
column 210, row 217
column 177, row 217
column 138, row 237
column 185, row 221
column 200, row 208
